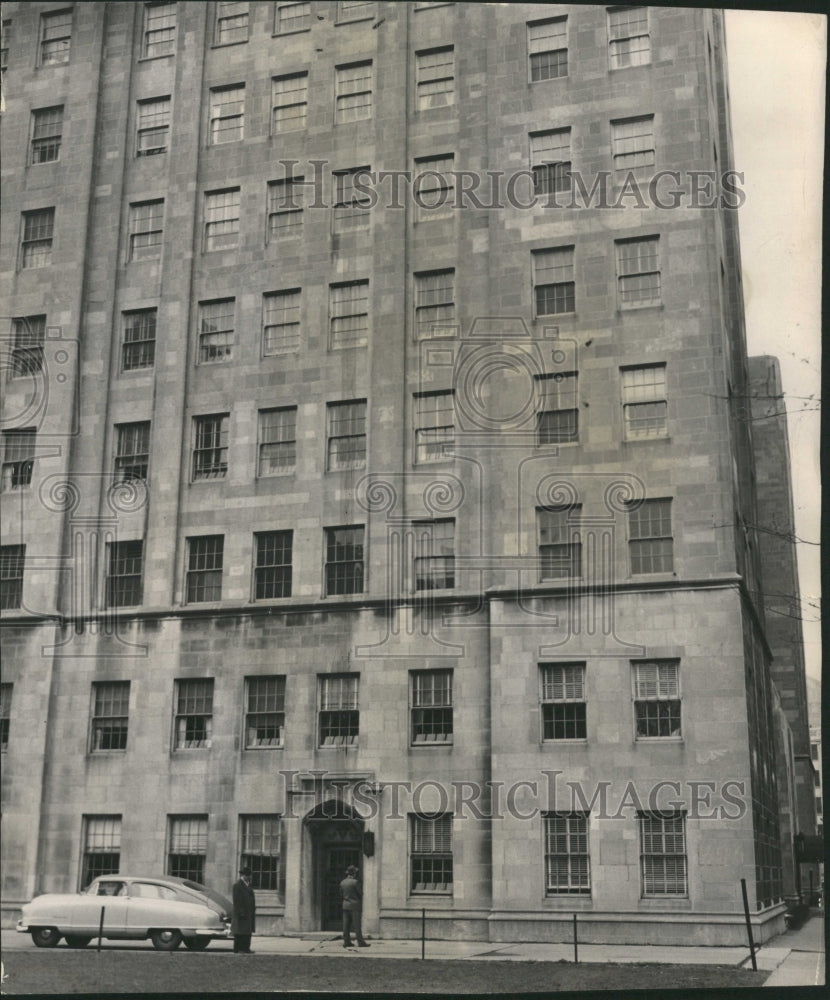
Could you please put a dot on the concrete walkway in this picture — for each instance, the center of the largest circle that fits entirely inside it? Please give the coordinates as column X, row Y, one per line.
column 803, row 961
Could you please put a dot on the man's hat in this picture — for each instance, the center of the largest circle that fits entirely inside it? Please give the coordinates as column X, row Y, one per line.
column 351, row 870
column 245, row 870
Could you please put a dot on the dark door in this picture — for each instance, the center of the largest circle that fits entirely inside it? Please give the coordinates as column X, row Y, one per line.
column 336, row 859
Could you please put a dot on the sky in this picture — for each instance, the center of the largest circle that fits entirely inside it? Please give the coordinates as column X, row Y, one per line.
column 776, row 63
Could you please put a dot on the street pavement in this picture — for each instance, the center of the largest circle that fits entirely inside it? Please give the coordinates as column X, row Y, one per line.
column 795, row 958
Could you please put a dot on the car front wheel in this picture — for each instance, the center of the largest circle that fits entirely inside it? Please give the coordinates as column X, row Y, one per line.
column 45, row 937
column 77, row 940
column 198, row 943
column 167, row 940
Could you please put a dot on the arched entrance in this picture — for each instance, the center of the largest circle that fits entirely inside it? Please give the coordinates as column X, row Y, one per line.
column 336, row 833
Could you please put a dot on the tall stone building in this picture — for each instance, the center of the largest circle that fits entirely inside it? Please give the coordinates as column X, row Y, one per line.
column 378, row 481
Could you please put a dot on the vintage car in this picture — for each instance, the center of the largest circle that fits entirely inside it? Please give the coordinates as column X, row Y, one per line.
column 167, row 910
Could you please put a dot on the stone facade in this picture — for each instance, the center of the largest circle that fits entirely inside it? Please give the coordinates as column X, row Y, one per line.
column 134, row 233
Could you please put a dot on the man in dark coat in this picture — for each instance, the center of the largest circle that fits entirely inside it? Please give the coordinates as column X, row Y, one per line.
column 352, row 896
column 243, row 924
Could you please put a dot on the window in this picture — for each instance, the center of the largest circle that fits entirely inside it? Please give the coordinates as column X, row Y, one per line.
column 124, row 579
column 159, row 29
column 28, row 333
column 650, row 543
column 638, row 272
column 567, row 864
column 18, row 457
column 560, row 547
column 5, row 713
column 277, row 440
column 285, row 209
column 431, row 711
column 110, row 715
column 152, row 126
column 227, row 114
column 272, row 574
column 139, row 348
column 434, row 426
column 55, row 37
column 547, row 46
column 435, row 304
column 146, row 227
column 550, row 161
column 102, row 847
column 557, row 419
column 194, row 714
column 351, row 204
column 339, row 715
column 553, row 281
column 344, row 560
column 216, row 330
column 346, row 435
column 563, row 701
column 353, row 92
column 222, row 219
column 47, row 130
column 292, row 17
column 187, row 847
column 289, row 101
column 644, row 402
column 261, row 851
column 628, row 35
column 132, row 451
column 281, row 322
column 231, row 23
column 12, row 563
column 5, row 38
column 264, row 712
column 657, row 698
column 434, row 188
column 355, row 10
column 435, row 73
column 210, row 452
column 434, row 554
column 430, row 854
column 632, row 146
column 204, row 568
column 663, row 854
column 36, row 244
column 349, row 314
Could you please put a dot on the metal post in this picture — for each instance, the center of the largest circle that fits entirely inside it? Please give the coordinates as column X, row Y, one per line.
column 423, row 932
column 576, row 948
column 101, row 927
column 749, row 926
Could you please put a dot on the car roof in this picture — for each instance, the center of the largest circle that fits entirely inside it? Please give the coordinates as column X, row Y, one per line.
column 184, row 883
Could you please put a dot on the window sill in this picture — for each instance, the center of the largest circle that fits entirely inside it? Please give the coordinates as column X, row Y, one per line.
column 276, row 746
column 665, row 902
column 355, row 20
column 574, row 741
column 555, row 444
column 163, row 55
column 657, row 306
column 647, row 440
column 278, row 475
column 294, row 31
column 431, row 745
column 227, row 45
column 106, row 753
column 659, row 739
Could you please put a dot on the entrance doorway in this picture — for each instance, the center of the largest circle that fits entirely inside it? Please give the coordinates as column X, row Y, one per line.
column 336, row 834
column 336, row 859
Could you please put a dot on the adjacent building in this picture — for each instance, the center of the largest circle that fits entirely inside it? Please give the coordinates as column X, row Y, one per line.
column 378, row 475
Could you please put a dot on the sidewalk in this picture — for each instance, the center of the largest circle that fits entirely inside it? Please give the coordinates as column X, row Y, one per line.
column 803, row 961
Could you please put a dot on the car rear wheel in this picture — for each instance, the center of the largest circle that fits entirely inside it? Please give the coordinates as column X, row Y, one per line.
column 45, row 937
column 166, row 940
column 77, row 940
column 198, row 943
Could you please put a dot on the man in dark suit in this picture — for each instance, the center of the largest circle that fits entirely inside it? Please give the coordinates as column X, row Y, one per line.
column 243, row 924
column 352, row 896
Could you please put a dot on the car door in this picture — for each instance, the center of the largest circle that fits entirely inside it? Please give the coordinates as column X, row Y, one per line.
column 151, row 905
column 85, row 915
